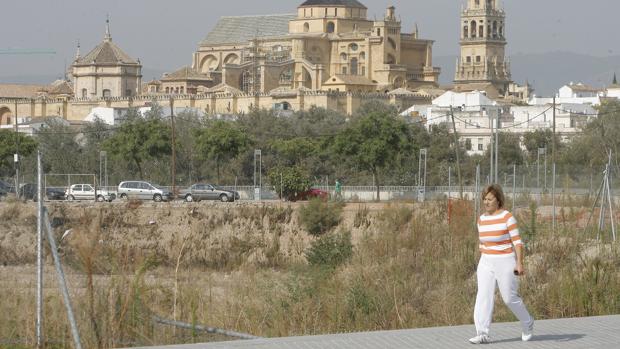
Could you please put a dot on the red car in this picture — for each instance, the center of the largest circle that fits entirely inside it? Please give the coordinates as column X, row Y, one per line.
column 311, row 194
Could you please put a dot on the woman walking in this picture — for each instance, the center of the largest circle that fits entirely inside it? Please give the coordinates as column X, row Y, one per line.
column 501, row 261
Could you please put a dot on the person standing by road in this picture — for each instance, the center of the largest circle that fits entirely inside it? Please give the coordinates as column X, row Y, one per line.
column 501, row 261
column 338, row 191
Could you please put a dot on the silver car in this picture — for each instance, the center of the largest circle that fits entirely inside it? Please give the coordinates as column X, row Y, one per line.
column 87, row 192
column 198, row 192
column 141, row 190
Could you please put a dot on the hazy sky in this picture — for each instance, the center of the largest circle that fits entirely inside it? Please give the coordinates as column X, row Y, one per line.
column 164, row 34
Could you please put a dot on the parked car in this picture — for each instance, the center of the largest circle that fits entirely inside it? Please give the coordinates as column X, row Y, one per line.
column 141, row 190
column 28, row 191
column 199, row 191
column 87, row 192
column 311, row 193
column 6, row 187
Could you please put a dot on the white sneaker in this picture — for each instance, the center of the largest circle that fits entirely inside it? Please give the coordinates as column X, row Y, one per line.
column 527, row 335
column 480, row 339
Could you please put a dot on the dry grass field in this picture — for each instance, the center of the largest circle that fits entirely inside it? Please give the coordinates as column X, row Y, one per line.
column 243, row 267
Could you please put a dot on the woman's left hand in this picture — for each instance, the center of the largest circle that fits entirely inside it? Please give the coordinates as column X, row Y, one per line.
column 519, row 270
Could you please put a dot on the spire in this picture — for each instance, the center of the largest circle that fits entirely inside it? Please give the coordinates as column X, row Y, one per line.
column 108, row 36
column 77, row 52
column 416, row 33
column 615, row 81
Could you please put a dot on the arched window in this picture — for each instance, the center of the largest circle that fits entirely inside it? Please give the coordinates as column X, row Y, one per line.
column 354, row 66
column 343, row 57
column 182, row 89
column 84, row 93
column 465, row 32
column 473, row 27
column 246, row 81
column 495, row 29
column 306, row 27
column 167, row 89
column 481, row 31
column 331, row 27
column 391, row 59
column 501, row 31
column 286, row 77
column 378, row 31
column 362, row 55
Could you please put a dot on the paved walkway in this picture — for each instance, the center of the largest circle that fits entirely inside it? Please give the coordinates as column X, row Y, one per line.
column 590, row 333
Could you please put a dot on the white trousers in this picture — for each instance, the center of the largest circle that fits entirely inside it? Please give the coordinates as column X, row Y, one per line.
column 500, row 270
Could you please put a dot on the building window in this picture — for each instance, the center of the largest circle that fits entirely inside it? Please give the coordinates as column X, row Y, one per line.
column 473, row 29
column 344, row 70
column 378, row 31
column 167, row 89
column 477, row 59
column 128, row 93
column 364, row 70
column 286, row 77
column 465, row 32
column 8, row 120
column 362, row 55
column 331, row 27
column 354, row 66
column 106, row 94
column 468, row 144
column 468, row 59
column 84, row 93
column 480, row 145
column 343, row 57
column 182, row 89
column 306, row 27
column 353, row 47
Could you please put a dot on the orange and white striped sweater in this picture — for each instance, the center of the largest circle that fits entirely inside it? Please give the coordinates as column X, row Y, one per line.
column 498, row 233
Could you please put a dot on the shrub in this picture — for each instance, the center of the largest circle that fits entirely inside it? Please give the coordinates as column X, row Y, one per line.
column 330, row 250
column 289, row 181
column 319, row 217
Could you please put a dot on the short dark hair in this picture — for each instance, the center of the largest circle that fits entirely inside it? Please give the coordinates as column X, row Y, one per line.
column 497, row 191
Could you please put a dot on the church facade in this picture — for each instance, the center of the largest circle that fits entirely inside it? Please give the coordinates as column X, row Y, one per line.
column 328, row 45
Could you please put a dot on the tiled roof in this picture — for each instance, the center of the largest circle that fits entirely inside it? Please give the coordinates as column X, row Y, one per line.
column 224, row 88
column 349, row 80
column 186, row 73
column 344, row 3
column 583, row 88
column 20, row 91
column 235, row 30
column 106, row 53
column 60, row 87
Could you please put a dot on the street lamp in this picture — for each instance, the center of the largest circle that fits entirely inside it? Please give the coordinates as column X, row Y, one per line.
column 422, row 178
column 258, row 174
column 541, row 151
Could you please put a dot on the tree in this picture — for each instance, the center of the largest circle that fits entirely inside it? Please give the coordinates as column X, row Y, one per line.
column 59, row 147
column 373, row 140
column 139, row 139
column 221, row 141
column 288, row 181
column 9, row 141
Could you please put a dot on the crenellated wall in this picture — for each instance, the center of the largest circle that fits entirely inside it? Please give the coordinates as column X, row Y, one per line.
column 215, row 103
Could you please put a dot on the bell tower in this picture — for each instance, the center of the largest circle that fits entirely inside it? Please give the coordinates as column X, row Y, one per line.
column 483, row 42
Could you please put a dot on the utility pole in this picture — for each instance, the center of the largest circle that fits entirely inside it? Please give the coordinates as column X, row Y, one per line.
column 553, row 161
column 491, row 147
column 497, row 146
column 16, row 155
column 174, row 160
column 458, row 157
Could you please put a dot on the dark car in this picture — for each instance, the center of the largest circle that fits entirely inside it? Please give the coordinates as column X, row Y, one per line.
column 311, row 193
column 6, row 187
column 199, row 191
column 29, row 192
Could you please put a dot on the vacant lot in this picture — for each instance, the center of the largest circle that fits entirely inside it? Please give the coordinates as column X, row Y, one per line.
column 243, row 267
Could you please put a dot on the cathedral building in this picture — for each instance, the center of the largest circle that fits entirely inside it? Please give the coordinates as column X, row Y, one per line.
column 482, row 64
column 328, row 45
column 105, row 72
